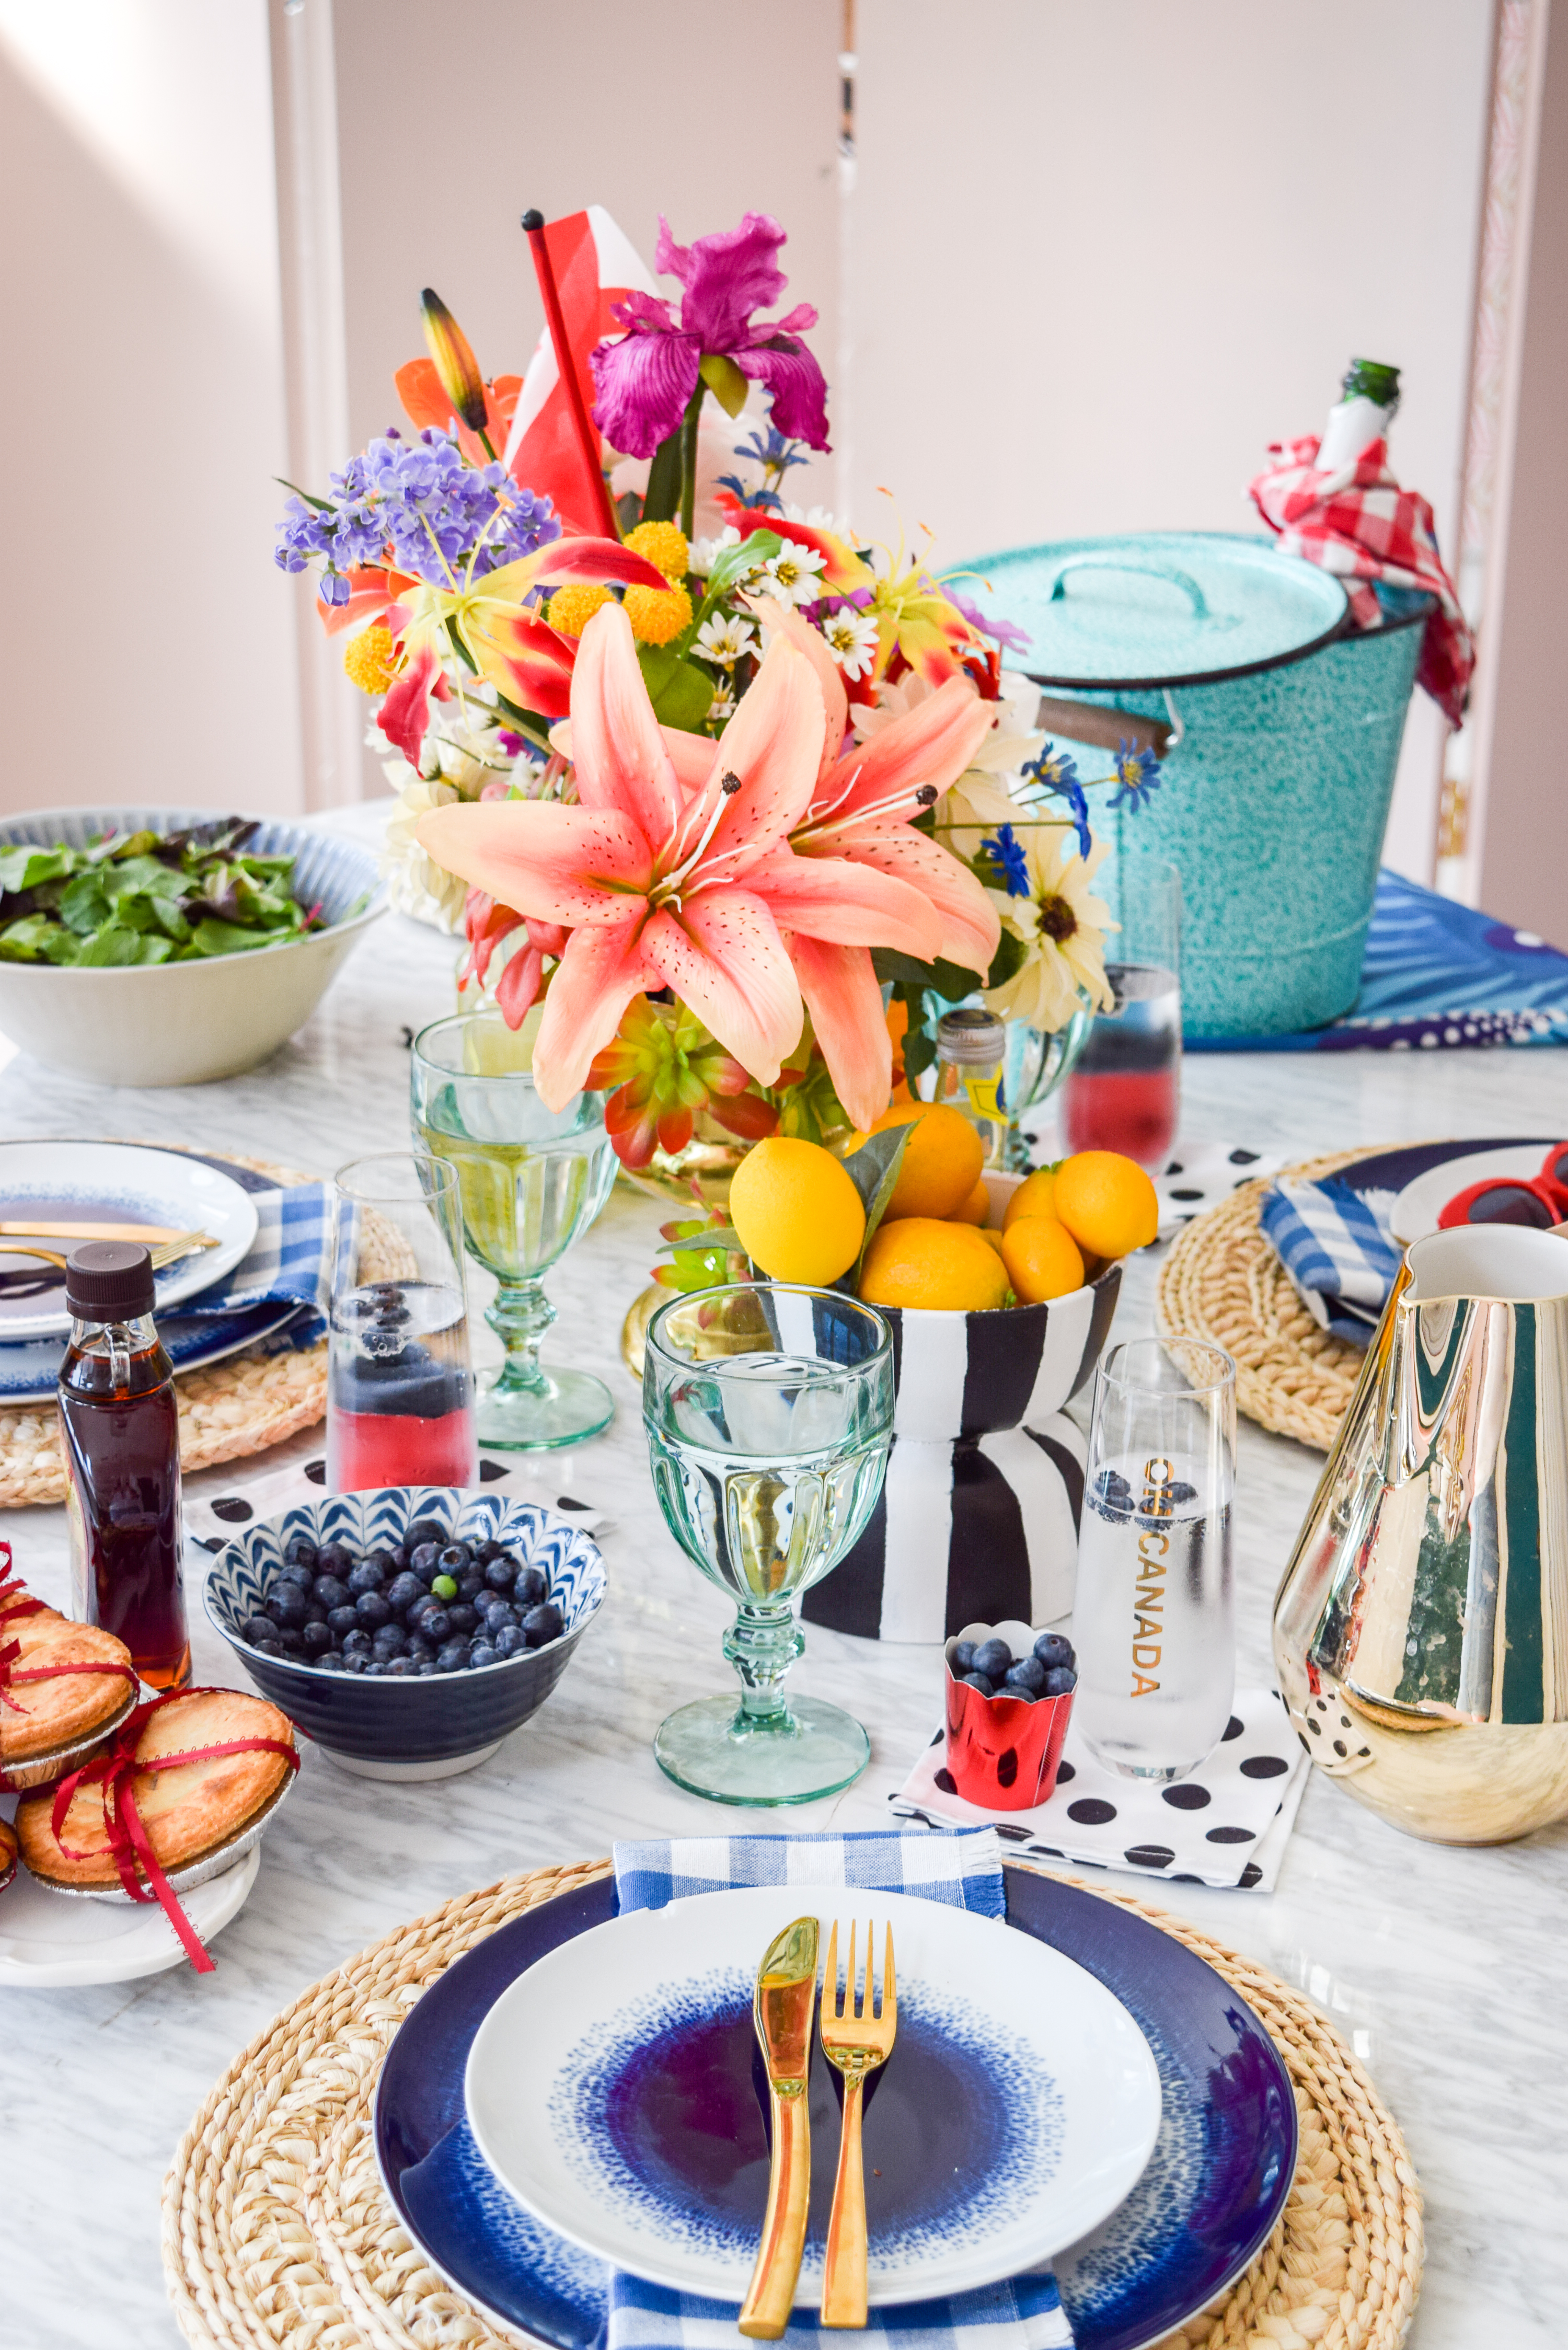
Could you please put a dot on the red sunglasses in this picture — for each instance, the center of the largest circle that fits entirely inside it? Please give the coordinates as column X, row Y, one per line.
column 1540, row 1200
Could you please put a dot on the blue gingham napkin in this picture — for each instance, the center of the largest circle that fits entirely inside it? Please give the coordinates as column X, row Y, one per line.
column 964, row 1870
column 286, row 1262
column 1335, row 1245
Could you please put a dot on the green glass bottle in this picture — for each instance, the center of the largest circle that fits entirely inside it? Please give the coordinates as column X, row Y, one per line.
column 1370, row 395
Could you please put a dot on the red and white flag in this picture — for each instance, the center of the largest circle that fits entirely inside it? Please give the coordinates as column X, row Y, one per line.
column 596, row 265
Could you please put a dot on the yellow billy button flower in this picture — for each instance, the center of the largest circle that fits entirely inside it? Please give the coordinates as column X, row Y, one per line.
column 658, row 614
column 664, row 546
column 572, row 607
column 454, row 361
column 370, row 660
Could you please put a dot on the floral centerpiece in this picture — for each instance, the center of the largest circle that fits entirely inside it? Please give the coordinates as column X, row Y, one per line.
column 728, row 816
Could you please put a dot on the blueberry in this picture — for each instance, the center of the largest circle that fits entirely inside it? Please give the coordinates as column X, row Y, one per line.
column 498, row 1574
column 455, row 1557
column 300, row 1548
column 418, row 1650
column 269, row 1649
column 511, row 1640
column 356, row 1660
column 424, row 1560
column 372, row 1610
column 292, row 1638
column 488, row 1552
column 963, row 1657
column 452, row 1657
column 435, row 1625
column 1181, row 1492
column 1025, row 1678
column 316, row 1638
column 334, row 1558
column 286, row 1604
column 976, row 1681
column 314, row 1611
column 390, row 1641
column 296, row 1570
column 383, row 1559
column 366, row 1576
column 463, row 1619
column 343, row 1620
column 543, row 1624
column 470, row 1582
column 427, row 1669
column 357, row 1643
column 1114, row 1494
column 481, row 1653
column 403, row 1591
column 258, row 1630
column 424, row 1530
column 399, row 1667
column 992, row 1658
column 331, row 1589
column 329, row 1663
column 530, row 1587
column 1060, row 1680
column 498, row 1615
column 377, row 1665
column 1054, row 1649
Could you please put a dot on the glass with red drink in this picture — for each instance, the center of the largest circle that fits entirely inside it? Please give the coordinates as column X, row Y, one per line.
column 1124, row 1092
column 400, row 1385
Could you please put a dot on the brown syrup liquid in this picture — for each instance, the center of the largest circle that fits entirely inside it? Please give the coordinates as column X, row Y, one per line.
column 122, row 1454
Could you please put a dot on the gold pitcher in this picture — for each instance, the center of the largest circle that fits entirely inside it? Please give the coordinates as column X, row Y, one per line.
column 1421, row 1628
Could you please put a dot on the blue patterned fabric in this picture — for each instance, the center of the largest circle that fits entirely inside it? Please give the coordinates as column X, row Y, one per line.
column 1436, row 976
column 964, row 1870
column 1337, row 1247
column 286, row 1260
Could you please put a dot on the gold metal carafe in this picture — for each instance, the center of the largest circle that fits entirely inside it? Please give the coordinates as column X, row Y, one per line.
column 1421, row 1628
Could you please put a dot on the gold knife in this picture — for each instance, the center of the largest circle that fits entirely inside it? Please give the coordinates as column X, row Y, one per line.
column 783, row 2007
column 16, row 1229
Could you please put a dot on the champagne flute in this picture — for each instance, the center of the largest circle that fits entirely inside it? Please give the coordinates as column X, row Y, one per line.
column 531, row 1180
column 769, row 1412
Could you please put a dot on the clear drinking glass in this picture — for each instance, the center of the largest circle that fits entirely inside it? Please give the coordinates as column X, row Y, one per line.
column 769, row 1412
column 531, row 1180
column 1153, row 1618
column 399, row 1388
column 1124, row 1092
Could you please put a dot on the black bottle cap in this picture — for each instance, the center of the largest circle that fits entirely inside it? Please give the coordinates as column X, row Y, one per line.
column 109, row 1281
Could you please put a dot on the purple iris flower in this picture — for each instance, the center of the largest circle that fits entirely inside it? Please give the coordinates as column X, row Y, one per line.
column 645, row 380
column 1002, row 632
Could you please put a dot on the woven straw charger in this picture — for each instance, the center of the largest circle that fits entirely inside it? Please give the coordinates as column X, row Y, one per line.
column 276, row 2231
column 244, row 1404
column 1222, row 1282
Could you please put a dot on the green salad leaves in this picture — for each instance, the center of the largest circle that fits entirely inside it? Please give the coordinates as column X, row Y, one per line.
column 146, row 898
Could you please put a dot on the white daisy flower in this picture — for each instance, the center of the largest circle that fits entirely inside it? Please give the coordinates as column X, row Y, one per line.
column 723, row 641
column 706, row 552
column 851, row 638
column 722, row 707
column 820, row 518
column 797, row 571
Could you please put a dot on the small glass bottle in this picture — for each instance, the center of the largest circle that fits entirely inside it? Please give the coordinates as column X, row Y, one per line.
column 1363, row 413
column 119, row 1432
column 972, row 1044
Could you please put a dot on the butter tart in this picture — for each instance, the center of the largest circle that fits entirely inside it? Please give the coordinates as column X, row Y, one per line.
column 189, row 1811
column 49, row 1727
column 7, row 1854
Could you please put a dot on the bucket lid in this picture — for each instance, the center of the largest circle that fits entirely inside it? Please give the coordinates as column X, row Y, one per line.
column 1160, row 607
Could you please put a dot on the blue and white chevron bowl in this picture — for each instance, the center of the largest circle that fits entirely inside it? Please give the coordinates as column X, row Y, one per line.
column 413, row 1729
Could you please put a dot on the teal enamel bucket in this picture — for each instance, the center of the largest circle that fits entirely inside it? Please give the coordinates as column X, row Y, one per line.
column 1278, row 729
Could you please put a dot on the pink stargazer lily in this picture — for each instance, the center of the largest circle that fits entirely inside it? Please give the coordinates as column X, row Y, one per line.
column 673, row 871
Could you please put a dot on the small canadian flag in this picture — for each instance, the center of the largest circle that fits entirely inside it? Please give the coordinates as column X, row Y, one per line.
column 595, row 266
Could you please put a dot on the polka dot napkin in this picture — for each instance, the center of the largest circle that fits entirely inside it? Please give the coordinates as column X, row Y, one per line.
column 1228, row 1825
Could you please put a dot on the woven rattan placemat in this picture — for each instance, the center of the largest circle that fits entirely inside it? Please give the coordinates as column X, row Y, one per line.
column 277, row 2234
column 242, row 1405
column 1222, row 1282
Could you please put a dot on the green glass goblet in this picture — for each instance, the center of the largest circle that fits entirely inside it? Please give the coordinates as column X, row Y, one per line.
column 532, row 1180
column 769, row 1412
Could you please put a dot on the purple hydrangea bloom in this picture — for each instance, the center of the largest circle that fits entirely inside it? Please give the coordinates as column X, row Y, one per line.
column 420, row 500
column 645, row 380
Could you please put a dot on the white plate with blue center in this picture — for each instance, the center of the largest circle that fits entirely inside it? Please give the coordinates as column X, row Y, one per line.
column 618, row 2092
column 119, row 1183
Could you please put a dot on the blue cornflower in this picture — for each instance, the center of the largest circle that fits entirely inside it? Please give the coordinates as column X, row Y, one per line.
column 775, row 454
column 1058, row 775
column 757, row 500
column 1136, row 775
column 419, row 500
column 1007, row 853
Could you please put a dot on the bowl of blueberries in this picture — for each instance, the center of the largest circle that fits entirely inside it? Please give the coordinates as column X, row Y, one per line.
column 410, row 1628
column 1009, row 1700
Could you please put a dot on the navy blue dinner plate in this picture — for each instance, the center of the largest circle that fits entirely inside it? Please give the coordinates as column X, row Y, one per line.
column 1214, row 2187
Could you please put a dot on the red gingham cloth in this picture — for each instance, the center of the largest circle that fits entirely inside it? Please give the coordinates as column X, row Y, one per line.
column 1359, row 524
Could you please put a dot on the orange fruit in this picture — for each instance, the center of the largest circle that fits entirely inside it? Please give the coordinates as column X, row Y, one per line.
column 1033, row 1197
column 1042, row 1259
column 976, row 1208
column 989, row 1232
column 797, row 1211
column 941, row 1164
column 924, row 1263
column 1107, row 1203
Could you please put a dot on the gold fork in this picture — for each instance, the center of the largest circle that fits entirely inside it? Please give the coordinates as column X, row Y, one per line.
column 169, row 1251
column 856, row 2040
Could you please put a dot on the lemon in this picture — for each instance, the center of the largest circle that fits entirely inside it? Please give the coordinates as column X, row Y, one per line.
column 923, row 1263
column 797, row 1211
column 1042, row 1259
column 1033, row 1197
column 976, row 1208
column 941, row 1163
column 1107, row 1203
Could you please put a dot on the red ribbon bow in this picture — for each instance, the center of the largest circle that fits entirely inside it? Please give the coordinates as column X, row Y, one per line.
column 17, row 1601
column 128, row 1839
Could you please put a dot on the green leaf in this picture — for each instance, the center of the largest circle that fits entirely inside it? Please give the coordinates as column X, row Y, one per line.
column 722, row 1237
column 211, row 937
column 25, row 868
column 948, row 980
column 874, row 1172
column 115, row 947
column 84, row 905
column 146, row 876
column 733, row 565
column 680, row 692
column 29, row 938
column 114, row 849
column 663, row 493
column 1011, row 956
column 919, row 1052
column 726, row 381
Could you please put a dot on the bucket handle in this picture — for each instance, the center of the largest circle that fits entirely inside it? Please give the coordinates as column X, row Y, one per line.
column 1152, row 568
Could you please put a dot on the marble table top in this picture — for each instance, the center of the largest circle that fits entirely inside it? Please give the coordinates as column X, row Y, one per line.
column 1442, row 1968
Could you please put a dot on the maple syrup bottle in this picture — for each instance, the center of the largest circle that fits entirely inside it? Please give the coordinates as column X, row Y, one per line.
column 119, row 1432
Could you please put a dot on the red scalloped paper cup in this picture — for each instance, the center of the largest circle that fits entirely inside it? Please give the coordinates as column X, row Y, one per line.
column 1003, row 1752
